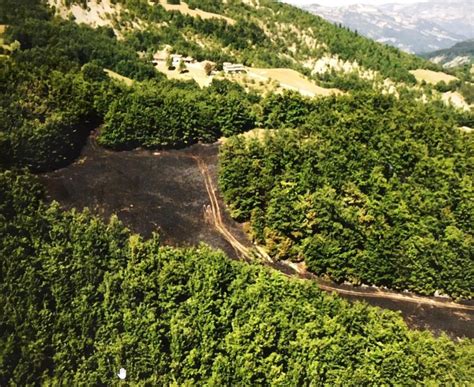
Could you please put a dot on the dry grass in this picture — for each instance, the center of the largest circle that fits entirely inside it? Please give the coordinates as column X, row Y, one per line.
column 257, row 133
column 289, row 79
column 121, row 78
column 195, row 72
column 258, row 79
column 185, row 10
column 432, row 77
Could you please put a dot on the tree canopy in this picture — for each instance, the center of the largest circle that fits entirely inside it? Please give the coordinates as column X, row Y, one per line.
column 364, row 188
column 82, row 298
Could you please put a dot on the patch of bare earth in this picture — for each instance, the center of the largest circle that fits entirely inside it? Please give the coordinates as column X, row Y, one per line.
column 455, row 99
column 194, row 71
column 160, row 191
column 98, row 13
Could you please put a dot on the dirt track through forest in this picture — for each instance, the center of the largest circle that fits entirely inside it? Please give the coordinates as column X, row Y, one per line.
column 215, row 214
column 175, row 192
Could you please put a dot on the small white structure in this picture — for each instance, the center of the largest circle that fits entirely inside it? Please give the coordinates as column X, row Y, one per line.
column 176, row 59
column 233, row 68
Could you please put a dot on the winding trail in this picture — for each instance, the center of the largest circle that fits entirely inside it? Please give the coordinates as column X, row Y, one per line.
column 214, row 213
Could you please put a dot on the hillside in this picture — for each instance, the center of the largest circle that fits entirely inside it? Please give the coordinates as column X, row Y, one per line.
column 460, row 54
column 370, row 184
column 264, row 35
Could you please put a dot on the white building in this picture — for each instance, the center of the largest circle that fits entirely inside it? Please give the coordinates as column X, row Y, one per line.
column 233, row 68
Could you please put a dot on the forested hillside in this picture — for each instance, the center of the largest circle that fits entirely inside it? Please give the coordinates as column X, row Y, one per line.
column 365, row 188
column 266, row 33
column 362, row 187
column 56, row 91
column 81, row 298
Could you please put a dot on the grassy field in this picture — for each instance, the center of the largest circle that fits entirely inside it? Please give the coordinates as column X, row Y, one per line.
column 117, row 76
column 432, row 77
column 291, row 80
column 185, row 10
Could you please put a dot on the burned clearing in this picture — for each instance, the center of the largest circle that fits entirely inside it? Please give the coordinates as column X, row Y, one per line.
column 161, row 192
column 174, row 193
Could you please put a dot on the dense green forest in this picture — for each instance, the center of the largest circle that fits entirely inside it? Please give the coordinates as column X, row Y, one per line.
column 369, row 188
column 170, row 115
column 81, row 298
column 352, row 183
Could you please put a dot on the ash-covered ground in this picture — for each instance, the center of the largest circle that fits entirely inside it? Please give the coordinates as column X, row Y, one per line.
column 161, row 191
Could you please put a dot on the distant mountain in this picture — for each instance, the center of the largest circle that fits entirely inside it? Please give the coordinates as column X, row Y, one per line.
column 418, row 28
column 458, row 55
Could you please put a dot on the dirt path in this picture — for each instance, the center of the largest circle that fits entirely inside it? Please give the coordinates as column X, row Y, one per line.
column 214, row 213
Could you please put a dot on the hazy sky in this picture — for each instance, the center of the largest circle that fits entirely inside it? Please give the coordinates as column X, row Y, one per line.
column 336, row 3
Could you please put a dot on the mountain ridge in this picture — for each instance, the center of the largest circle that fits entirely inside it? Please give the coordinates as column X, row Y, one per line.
column 460, row 54
column 415, row 28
